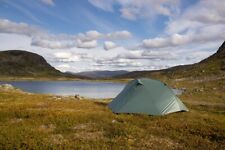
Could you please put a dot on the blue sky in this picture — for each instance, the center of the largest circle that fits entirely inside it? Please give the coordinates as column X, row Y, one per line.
column 81, row 35
column 73, row 17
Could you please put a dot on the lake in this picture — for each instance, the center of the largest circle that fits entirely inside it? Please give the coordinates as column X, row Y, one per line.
column 83, row 88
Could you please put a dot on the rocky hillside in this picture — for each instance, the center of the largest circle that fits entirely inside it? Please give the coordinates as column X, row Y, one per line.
column 19, row 63
column 211, row 66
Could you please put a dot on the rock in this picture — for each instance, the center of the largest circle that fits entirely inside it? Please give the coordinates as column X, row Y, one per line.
column 7, row 87
column 201, row 90
column 77, row 97
column 114, row 121
column 16, row 120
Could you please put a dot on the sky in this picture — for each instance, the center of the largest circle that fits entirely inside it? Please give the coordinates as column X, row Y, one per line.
column 87, row 35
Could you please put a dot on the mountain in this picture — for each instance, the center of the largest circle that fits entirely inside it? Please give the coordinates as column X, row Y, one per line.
column 18, row 63
column 214, row 65
column 101, row 74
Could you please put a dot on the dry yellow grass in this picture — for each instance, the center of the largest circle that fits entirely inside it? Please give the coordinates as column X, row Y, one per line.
column 32, row 121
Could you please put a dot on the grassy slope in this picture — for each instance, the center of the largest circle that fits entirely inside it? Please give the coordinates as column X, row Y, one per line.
column 29, row 121
column 18, row 64
column 23, row 63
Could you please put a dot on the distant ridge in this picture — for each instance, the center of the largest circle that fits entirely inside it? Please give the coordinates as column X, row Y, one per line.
column 101, row 74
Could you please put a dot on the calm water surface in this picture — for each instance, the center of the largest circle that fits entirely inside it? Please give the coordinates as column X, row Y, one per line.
column 83, row 88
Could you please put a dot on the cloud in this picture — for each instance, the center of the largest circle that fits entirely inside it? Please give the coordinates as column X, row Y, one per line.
column 148, row 55
column 139, row 60
column 7, row 26
column 119, row 35
column 121, row 63
column 48, row 2
column 173, row 40
column 89, row 35
column 134, row 9
column 87, row 44
column 201, row 23
column 107, row 5
column 69, row 57
column 197, row 36
column 130, row 55
column 109, row 45
column 95, row 35
column 159, row 55
column 129, row 13
column 155, row 42
column 63, row 67
column 63, row 55
column 204, row 13
column 86, row 40
column 198, row 55
column 56, row 44
column 42, row 38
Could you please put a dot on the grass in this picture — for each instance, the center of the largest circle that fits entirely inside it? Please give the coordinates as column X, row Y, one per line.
column 32, row 121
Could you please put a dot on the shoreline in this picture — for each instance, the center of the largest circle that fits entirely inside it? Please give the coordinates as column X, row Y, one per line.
column 62, row 79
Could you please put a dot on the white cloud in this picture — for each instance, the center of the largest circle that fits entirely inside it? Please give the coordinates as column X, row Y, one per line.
column 69, row 56
column 198, row 55
column 56, row 44
column 204, row 13
column 44, row 39
column 63, row 55
column 109, row 45
column 48, row 2
column 7, row 26
column 119, row 35
column 134, row 9
column 155, row 43
column 118, row 63
column 87, row 44
column 199, row 24
column 128, row 13
column 149, row 55
column 89, row 35
column 63, row 67
column 95, row 35
column 130, row 55
column 107, row 5
column 173, row 40
column 159, row 55
column 197, row 36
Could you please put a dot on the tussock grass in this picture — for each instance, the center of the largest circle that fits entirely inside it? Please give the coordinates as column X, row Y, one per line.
column 32, row 121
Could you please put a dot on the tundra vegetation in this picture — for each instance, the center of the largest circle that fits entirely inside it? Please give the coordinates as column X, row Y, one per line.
column 35, row 121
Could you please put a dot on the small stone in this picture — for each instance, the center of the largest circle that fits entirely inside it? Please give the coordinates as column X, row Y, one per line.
column 114, row 121
column 77, row 97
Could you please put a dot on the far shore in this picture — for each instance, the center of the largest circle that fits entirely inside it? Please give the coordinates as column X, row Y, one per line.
column 61, row 79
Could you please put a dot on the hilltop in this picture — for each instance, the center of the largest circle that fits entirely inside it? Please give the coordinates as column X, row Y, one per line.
column 19, row 63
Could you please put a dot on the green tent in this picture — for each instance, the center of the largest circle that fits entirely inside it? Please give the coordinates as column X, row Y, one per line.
column 147, row 96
